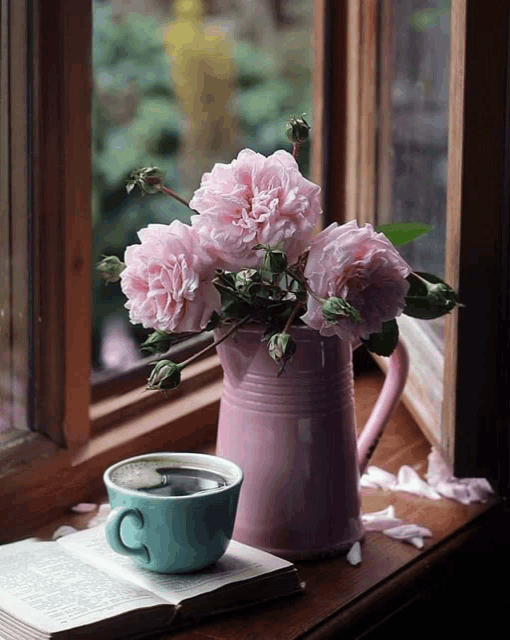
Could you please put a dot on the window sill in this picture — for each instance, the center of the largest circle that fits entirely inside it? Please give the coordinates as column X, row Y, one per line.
column 396, row 584
column 39, row 481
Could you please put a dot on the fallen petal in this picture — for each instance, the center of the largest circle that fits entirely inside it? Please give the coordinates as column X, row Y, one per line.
column 438, row 470
column 64, row 530
column 84, row 507
column 410, row 481
column 417, row 541
column 380, row 520
column 104, row 509
column 354, row 555
column 407, row 531
column 382, row 479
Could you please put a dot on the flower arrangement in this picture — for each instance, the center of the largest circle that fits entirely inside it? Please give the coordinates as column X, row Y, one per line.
column 250, row 255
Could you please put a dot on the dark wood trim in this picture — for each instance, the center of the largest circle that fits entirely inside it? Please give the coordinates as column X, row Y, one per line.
column 318, row 137
column 334, row 109
column 62, row 221
column 6, row 373
column 475, row 219
column 15, row 201
column 367, row 178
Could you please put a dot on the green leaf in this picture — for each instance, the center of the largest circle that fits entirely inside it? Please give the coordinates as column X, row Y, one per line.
column 385, row 342
column 401, row 233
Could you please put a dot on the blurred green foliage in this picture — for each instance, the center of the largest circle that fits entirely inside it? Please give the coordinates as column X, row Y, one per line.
column 430, row 17
column 137, row 122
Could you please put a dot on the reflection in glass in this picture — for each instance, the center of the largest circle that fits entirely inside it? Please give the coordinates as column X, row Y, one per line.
column 419, row 118
column 181, row 85
column 16, row 263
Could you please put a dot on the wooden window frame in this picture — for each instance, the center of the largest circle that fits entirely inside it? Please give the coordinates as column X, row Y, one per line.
column 474, row 421
column 60, row 463
column 15, row 317
column 369, row 186
column 39, row 477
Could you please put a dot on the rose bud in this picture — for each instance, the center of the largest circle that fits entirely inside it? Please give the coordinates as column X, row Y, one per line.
column 150, row 180
column 165, row 375
column 298, row 130
column 110, row 268
column 281, row 347
column 275, row 260
column 334, row 309
column 244, row 278
column 157, row 342
column 442, row 297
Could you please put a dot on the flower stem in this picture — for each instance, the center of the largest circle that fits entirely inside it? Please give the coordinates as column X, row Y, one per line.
column 232, row 330
column 303, row 282
column 174, row 195
column 291, row 317
column 295, row 150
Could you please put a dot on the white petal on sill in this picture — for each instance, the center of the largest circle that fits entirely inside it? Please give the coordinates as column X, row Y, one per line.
column 438, row 470
column 464, row 490
column 366, row 483
column 102, row 514
column 84, row 507
column 64, row 530
column 354, row 555
column 93, row 522
column 410, row 481
column 379, row 478
column 417, row 542
column 406, row 532
column 104, row 509
column 389, row 512
column 380, row 520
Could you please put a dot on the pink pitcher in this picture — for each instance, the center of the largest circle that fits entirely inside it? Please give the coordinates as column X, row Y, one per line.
column 294, row 437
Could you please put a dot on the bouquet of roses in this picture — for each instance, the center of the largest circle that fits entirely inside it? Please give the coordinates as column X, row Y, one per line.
column 250, row 255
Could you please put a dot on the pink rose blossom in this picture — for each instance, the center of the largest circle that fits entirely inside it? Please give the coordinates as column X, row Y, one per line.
column 167, row 280
column 364, row 268
column 255, row 200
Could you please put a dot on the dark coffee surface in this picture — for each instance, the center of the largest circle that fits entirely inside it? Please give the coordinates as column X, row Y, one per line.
column 155, row 478
column 185, row 482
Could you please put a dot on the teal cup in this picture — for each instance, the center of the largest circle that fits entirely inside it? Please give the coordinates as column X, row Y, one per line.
column 172, row 530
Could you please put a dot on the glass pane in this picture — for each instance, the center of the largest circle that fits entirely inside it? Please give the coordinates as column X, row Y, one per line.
column 182, row 85
column 16, row 262
column 419, row 122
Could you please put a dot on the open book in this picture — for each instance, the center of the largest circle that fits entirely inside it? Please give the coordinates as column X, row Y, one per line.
column 77, row 587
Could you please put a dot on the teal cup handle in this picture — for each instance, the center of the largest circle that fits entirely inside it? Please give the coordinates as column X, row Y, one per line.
column 113, row 535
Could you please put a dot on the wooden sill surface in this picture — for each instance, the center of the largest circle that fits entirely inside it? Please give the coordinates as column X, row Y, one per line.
column 341, row 600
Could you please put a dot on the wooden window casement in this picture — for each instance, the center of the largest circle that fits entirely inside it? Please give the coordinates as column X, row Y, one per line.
column 465, row 411
column 61, row 462
column 75, row 431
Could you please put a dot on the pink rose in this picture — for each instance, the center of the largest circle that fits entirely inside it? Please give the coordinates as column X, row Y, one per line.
column 364, row 268
column 167, row 280
column 255, row 200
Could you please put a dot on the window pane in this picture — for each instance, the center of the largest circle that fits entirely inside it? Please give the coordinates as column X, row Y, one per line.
column 16, row 263
column 419, row 132
column 413, row 172
column 182, row 85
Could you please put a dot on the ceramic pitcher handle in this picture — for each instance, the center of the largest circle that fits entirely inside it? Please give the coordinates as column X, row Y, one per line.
column 394, row 383
column 112, row 528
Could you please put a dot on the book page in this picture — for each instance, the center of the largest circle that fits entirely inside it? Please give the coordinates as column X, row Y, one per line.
column 239, row 563
column 47, row 588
